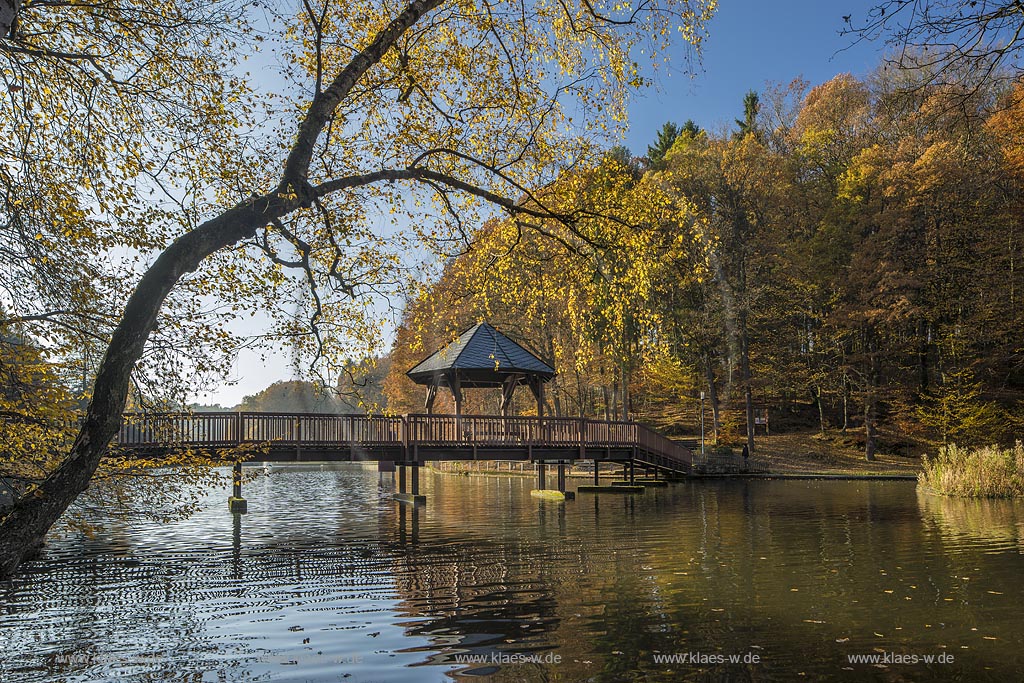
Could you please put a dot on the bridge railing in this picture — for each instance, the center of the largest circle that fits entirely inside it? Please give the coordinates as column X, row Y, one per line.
column 232, row 429
column 197, row 429
column 317, row 428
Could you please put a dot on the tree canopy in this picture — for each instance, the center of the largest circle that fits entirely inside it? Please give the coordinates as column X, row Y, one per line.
column 160, row 192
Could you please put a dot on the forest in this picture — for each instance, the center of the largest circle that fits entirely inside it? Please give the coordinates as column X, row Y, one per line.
column 846, row 256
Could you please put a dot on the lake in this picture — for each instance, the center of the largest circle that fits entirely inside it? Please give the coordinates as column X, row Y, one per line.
column 327, row 579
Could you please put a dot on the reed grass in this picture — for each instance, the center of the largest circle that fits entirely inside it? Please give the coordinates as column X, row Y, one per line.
column 985, row 472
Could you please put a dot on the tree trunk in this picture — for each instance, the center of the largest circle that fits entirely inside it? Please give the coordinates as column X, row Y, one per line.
column 923, row 329
column 709, row 373
column 816, row 395
column 748, row 390
column 625, row 393
column 25, row 524
column 24, row 527
column 871, row 401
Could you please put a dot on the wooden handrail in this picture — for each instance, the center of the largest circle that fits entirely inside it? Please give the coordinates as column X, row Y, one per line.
column 219, row 429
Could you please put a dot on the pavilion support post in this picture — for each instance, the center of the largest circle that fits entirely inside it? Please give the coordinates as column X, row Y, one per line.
column 456, row 386
column 235, row 502
column 508, row 389
column 537, row 387
column 428, row 405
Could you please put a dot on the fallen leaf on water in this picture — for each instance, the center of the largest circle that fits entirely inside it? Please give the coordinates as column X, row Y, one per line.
column 842, row 640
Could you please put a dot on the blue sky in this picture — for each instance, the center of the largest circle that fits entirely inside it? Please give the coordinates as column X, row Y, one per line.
column 752, row 42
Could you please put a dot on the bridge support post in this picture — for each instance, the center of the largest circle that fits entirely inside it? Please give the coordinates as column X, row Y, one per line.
column 561, row 478
column 632, row 470
column 541, row 476
column 597, row 472
column 235, row 502
column 404, row 496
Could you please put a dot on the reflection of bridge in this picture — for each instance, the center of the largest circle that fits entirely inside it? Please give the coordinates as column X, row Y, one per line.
column 411, row 440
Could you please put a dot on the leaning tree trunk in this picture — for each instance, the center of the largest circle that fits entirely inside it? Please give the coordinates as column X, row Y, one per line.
column 26, row 523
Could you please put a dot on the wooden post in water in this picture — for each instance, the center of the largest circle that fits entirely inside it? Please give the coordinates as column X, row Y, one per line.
column 236, row 503
column 401, row 478
column 561, row 478
column 415, row 472
column 541, row 472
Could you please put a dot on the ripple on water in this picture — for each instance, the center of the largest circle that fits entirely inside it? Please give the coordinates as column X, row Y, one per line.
column 327, row 577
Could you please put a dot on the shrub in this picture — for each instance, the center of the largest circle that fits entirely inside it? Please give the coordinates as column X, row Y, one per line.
column 987, row 472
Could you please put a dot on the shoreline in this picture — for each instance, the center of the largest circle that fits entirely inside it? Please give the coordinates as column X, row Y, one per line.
column 851, row 476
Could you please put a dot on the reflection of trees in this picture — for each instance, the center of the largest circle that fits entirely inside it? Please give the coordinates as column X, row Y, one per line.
column 605, row 582
column 993, row 523
column 474, row 597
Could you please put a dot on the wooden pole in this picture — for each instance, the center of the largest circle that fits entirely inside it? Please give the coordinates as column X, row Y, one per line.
column 236, row 503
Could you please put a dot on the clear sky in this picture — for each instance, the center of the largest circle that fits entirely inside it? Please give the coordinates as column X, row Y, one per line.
column 751, row 42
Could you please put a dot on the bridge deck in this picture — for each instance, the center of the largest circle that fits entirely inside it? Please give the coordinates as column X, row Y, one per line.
column 406, row 438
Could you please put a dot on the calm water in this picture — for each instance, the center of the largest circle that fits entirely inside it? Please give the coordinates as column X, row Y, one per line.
column 327, row 579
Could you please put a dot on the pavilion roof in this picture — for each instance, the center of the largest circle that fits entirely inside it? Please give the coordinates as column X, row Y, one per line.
column 481, row 356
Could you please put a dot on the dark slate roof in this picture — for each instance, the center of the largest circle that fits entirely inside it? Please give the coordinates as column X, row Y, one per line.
column 482, row 356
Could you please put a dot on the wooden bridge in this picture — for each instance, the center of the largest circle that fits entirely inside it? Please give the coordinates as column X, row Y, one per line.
column 408, row 441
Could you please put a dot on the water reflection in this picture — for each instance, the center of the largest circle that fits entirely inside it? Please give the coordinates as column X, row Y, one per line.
column 327, row 577
column 997, row 525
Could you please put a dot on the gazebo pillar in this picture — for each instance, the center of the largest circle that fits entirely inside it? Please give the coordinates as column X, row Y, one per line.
column 456, row 387
column 537, row 387
column 508, row 388
column 431, row 395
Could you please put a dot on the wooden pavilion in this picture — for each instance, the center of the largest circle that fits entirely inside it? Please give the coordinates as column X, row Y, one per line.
column 482, row 357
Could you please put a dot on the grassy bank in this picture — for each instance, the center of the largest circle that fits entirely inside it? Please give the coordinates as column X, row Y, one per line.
column 796, row 453
column 809, row 453
column 987, row 472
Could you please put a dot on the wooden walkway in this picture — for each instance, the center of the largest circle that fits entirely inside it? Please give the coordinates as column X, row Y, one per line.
column 407, row 438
